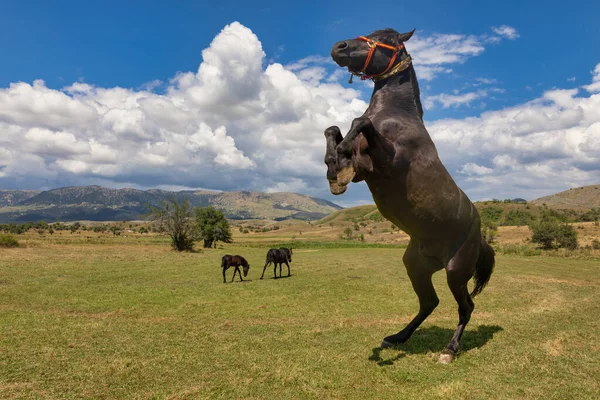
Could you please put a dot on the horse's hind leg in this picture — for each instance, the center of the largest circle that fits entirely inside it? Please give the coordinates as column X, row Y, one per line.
column 459, row 270
column 420, row 270
column 224, row 279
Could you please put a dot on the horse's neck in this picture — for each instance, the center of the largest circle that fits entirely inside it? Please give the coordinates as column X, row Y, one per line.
column 401, row 90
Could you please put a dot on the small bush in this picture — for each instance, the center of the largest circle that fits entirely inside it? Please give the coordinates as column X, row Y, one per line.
column 551, row 234
column 8, row 241
column 596, row 244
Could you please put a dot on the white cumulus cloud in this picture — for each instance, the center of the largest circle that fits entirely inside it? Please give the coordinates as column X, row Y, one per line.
column 239, row 122
column 506, row 31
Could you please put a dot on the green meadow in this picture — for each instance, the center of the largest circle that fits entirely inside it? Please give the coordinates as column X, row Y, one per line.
column 127, row 318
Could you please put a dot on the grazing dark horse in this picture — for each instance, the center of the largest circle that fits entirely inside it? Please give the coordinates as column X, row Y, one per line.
column 234, row 261
column 278, row 256
column 389, row 148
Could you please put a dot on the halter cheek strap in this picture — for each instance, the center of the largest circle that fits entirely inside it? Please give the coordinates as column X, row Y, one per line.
column 372, row 47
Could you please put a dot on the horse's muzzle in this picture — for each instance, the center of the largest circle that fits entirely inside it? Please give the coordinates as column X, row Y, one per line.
column 338, row 53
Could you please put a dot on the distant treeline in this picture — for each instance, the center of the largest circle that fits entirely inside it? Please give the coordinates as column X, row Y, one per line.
column 43, row 227
column 513, row 201
column 525, row 217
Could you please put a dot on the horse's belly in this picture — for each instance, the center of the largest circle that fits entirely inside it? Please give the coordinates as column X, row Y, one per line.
column 420, row 220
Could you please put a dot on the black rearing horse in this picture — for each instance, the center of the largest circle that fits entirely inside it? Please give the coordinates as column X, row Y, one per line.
column 234, row 261
column 278, row 256
column 389, row 148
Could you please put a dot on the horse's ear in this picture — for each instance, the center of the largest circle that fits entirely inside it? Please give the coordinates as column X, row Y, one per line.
column 403, row 37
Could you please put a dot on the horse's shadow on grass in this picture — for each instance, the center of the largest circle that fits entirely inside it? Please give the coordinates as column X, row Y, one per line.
column 280, row 277
column 434, row 339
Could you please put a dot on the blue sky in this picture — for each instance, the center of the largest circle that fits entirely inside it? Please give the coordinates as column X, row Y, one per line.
column 142, row 46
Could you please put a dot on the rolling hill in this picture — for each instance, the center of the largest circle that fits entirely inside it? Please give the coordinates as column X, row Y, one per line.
column 581, row 198
column 572, row 203
column 97, row 203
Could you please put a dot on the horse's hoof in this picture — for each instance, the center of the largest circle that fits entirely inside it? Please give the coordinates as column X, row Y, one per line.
column 345, row 176
column 387, row 345
column 335, row 188
column 446, row 357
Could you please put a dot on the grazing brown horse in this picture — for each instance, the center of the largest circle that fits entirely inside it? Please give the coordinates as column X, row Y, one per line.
column 278, row 256
column 389, row 148
column 234, row 261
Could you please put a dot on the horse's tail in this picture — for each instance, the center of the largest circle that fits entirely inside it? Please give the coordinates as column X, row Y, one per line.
column 483, row 268
column 223, row 262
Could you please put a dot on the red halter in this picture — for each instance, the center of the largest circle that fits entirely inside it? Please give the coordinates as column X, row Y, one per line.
column 372, row 47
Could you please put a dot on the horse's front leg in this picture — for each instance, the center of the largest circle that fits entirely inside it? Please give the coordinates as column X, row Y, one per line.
column 234, row 272
column 264, row 269
column 345, row 167
column 379, row 155
column 333, row 136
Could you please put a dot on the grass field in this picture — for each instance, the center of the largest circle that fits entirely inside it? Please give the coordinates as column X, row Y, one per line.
column 126, row 318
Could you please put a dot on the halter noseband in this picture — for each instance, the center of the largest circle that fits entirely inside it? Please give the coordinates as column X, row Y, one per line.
column 372, row 47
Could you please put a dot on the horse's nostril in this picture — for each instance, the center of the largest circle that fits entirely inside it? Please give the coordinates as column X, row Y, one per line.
column 342, row 46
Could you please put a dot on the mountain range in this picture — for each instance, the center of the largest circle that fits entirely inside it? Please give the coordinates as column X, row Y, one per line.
column 96, row 203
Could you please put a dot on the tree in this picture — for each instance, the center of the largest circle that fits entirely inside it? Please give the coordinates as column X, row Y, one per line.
column 348, row 233
column 550, row 234
column 489, row 231
column 175, row 218
column 212, row 226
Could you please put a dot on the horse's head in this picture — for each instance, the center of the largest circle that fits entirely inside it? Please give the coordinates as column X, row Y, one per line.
column 371, row 55
column 289, row 255
column 245, row 266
